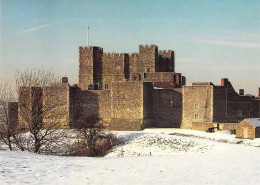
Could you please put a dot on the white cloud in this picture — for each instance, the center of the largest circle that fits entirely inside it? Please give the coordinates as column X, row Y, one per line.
column 70, row 60
column 185, row 60
column 251, row 45
column 242, row 35
column 36, row 28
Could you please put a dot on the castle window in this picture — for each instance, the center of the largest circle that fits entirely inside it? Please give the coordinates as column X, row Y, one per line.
column 148, row 70
column 106, row 86
column 196, row 106
column 239, row 113
column 250, row 112
column 196, row 116
column 140, row 77
column 144, row 75
column 135, row 77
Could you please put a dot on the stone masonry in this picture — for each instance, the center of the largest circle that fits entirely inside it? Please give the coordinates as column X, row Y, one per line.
column 139, row 90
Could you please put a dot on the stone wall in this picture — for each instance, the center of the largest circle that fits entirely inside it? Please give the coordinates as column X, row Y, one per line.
column 126, row 105
column 197, row 104
column 167, row 60
column 148, row 102
column 167, row 107
column 227, row 126
column 220, row 104
column 12, row 112
column 92, row 102
column 257, row 132
column 257, row 105
column 29, row 105
column 114, row 68
column 97, row 67
column 56, row 103
column 90, row 59
column 216, row 104
column 160, row 77
column 148, row 58
column 227, row 104
column 98, row 70
column 203, row 126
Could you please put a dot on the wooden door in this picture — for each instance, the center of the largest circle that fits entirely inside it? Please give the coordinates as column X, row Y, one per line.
column 245, row 132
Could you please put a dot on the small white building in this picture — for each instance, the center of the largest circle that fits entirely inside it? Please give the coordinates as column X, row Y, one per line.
column 248, row 128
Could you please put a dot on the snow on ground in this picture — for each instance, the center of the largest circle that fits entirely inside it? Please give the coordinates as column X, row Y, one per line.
column 172, row 141
column 152, row 156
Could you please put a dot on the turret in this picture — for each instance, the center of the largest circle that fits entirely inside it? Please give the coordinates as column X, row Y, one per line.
column 167, row 59
column 148, row 58
column 90, row 66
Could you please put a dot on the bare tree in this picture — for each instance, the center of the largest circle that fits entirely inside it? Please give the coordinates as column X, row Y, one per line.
column 42, row 108
column 95, row 140
column 8, row 113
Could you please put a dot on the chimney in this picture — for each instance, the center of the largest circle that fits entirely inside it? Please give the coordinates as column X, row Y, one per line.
column 64, row 80
column 183, row 80
column 259, row 92
column 224, row 81
column 241, row 92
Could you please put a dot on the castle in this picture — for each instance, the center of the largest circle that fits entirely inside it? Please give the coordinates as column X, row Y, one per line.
column 140, row 90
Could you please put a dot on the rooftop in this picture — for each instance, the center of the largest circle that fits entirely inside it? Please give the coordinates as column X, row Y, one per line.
column 254, row 121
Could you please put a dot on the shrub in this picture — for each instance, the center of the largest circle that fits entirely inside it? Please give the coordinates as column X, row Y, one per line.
column 233, row 131
column 94, row 140
column 100, row 148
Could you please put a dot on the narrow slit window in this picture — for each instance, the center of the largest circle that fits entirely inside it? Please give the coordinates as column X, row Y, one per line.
column 135, row 77
column 240, row 113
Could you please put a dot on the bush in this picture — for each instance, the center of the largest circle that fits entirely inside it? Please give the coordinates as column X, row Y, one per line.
column 100, row 148
column 94, row 140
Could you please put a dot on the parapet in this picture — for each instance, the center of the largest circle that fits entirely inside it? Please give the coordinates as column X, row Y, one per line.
column 115, row 55
column 145, row 47
column 164, row 52
column 90, row 48
column 134, row 54
column 168, row 53
column 108, row 54
column 202, row 83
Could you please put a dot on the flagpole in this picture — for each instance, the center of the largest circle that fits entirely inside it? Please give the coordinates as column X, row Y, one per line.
column 88, row 36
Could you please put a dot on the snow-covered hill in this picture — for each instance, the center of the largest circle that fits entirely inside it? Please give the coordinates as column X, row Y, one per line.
column 152, row 156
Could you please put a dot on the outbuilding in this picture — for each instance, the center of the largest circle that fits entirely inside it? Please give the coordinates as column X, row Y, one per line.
column 248, row 128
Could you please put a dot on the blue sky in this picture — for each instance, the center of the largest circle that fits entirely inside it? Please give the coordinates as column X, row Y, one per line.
column 211, row 39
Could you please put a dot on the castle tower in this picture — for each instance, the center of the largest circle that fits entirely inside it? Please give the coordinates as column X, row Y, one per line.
column 90, row 67
column 148, row 58
column 166, row 61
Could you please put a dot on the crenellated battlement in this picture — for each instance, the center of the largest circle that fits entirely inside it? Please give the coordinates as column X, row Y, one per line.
column 166, row 53
column 108, row 54
column 134, row 54
column 104, row 68
column 115, row 55
column 147, row 47
column 90, row 48
column 162, row 52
